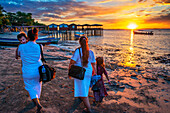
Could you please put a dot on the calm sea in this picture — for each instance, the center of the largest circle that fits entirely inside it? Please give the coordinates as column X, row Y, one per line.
column 129, row 49
column 124, row 48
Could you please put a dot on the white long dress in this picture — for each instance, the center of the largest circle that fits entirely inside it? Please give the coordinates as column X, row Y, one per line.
column 81, row 87
column 31, row 59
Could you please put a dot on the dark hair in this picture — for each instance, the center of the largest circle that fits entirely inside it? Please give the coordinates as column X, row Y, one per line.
column 85, row 49
column 32, row 34
column 100, row 61
column 20, row 35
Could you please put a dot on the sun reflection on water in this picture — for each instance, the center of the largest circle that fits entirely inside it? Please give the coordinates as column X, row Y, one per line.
column 129, row 60
column 131, row 40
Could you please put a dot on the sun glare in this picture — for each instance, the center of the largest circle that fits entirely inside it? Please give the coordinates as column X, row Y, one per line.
column 132, row 26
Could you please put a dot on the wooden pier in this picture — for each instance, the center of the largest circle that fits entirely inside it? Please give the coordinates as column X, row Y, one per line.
column 68, row 32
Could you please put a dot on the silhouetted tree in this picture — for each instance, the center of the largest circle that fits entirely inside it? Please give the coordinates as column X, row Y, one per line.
column 16, row 19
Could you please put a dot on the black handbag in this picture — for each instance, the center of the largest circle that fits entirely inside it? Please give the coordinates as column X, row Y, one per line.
column 47, row 73
column 77, row 71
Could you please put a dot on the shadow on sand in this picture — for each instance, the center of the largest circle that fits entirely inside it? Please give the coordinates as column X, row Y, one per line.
column 30, row 106
column 76, row 103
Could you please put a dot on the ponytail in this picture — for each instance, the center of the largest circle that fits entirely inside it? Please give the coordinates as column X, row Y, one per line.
column 85, row 49
column 32, row 34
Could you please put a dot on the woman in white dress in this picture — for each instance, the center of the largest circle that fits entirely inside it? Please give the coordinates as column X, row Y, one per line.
column 31, row 59
column 81, row 87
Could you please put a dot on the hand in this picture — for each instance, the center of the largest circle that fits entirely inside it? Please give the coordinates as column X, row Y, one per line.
column 69, row 77
column 94, row 74
column 109, row 82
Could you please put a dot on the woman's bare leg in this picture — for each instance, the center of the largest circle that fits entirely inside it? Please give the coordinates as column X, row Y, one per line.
column 37, row 102
column 86, row 103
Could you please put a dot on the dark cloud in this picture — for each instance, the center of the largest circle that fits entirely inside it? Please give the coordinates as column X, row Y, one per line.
column 141, row 10
column 40, row 8
column 142, row 0
column 71, row 21
column 162, row 1
column 157, row 1
column 45, row 19
column 159, row 19
column 147, row 14
column 52, row 16
column 65, row 9
column 165, row 10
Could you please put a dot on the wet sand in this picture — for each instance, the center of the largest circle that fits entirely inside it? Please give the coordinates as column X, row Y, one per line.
column 133, row 90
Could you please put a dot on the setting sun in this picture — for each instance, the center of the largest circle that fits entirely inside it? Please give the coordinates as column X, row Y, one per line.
column 132, row 26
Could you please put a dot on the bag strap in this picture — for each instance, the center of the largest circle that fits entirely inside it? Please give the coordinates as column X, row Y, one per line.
column 80, row 55
column 42, row 56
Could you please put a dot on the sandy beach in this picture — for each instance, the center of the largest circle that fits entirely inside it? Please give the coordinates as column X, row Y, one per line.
column 133, row 90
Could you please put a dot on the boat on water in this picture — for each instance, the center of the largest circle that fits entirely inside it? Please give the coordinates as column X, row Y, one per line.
column 143, row 32
column 15, row 42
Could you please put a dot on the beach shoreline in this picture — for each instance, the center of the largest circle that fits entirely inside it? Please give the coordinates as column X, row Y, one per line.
column 134, row 89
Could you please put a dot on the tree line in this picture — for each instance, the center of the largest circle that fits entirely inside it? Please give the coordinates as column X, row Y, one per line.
column 16, row 19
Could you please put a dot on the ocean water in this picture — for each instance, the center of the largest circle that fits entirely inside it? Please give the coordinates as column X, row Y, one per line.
column 159, row 42
column 130, row 50
column 125, row 49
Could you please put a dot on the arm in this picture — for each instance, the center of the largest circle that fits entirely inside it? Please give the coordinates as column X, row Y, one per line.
column 94, row 72
column 72, row 62
column 16, row 53
column 73, row 59
column 93, row 63
column 105, row 73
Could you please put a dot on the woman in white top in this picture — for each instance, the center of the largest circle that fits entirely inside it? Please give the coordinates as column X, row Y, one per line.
column 81, row 87
column 31, row 59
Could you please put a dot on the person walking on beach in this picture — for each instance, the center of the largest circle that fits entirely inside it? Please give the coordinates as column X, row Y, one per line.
column 101, row 93
column 81, row 87
column 31, row 59
column 22, row 37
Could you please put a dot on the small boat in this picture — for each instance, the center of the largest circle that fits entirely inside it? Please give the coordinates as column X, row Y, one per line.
column 15, row 42
column 143, row 32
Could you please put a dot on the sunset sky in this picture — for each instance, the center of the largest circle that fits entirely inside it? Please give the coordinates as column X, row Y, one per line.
column 113, row 14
